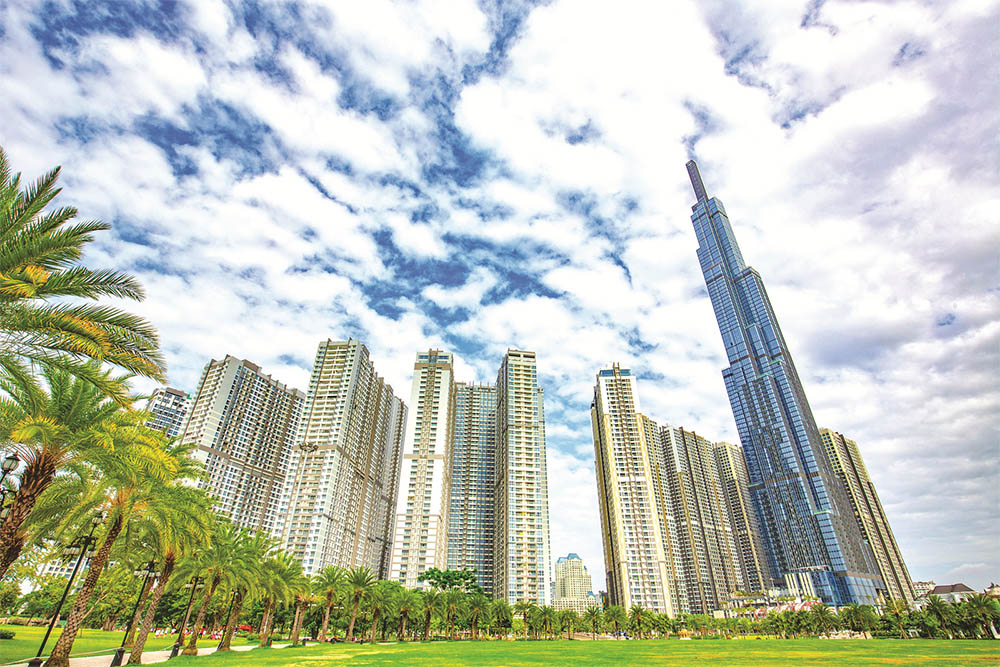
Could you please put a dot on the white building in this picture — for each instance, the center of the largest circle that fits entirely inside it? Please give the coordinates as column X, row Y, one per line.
column 243, row 424
column 344, row 472
column 169, row 407
column 573, row 585
column 421, row 537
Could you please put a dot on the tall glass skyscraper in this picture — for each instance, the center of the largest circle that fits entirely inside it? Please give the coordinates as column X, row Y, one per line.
column 805, row 517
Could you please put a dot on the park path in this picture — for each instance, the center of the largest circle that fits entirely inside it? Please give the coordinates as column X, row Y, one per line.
column 148, row 657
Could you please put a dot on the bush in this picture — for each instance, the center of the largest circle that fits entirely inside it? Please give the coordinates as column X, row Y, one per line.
column 6, row 634
column 252, row 637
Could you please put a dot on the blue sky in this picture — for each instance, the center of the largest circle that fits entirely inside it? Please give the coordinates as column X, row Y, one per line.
column 477, row 176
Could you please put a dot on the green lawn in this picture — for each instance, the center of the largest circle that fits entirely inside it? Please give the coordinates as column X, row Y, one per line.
column 25, row 643
column 662, row 652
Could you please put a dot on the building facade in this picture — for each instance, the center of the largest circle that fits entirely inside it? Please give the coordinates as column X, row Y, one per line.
column 243, row 424
column 421, row 537
column 473, row 471
column 802, row 508
column 637, row 558
column 708, row 564
column 522, row 562
column 340, row 497
column 732, row 469
column 850, row 467
column 169, row 408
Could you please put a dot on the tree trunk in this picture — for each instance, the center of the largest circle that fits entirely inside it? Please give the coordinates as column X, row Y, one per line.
column 326, row 620
column 427, row 625
column 199, row 624
column 265, row 623
column 374, row 625
column 37, row 477
column 234, row 617
column 60, row 653
column 354, row 616
column 147, row 584
column 296, row 624
column 402, row 628
column 135, row 657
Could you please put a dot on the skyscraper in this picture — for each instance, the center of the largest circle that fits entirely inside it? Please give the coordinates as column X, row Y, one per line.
column 473, row 470
column 802, row 508
column 243, row 424
column 732, row 469
column 848, row 464
column 574, row 587
column 522, row 565
column 170, row 408
column 637, row 558
column 344, row 473
column 421, row 537
column 709, row 569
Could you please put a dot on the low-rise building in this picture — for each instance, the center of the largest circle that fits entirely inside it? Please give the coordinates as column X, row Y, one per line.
column 951, row 592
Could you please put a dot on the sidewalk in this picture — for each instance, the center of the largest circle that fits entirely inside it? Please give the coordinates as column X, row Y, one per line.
column 148, row 657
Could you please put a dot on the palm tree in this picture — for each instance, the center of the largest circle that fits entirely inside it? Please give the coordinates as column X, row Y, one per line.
column 568, row 620
column 39, row 255
column 281, row 577
column 983, row 611
column 179, row 524
column 133, row 485
column 503, row 614
column 549, row 620
column 898, row 608
column 218, row 561
column 593, row 618
column 359, row 582
column 616, row 618
column 50, row 428
column 823, row 618
column 433, row 601
column 453, row 602
column 379, row 601
column 408, row 604
column 303, row 598
column 327, row 584
column 477, row 608
column 245, row 573
column 941, row 611
column 637, row 616
column 524, row 607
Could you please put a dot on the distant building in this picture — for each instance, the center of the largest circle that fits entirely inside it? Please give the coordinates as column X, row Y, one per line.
column 951, row 593
column 846, row 460
column 243, row 423
column 170, row 409
column 922, row 588
column 732, row 469
column 573, row 585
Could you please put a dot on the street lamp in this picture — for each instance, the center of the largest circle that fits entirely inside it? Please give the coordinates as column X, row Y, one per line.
column 196, row 583
column 80, row 547
column 145, row 573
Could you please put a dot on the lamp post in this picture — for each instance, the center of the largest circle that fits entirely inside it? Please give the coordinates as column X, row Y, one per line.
column 196, row 583
column 149, row 571
column 80, row 547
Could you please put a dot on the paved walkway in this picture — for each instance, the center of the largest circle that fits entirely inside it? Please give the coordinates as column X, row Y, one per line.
column 148, row 657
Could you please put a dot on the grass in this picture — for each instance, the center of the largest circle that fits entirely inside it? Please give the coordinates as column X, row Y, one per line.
column 645, row 653
column 25, row 643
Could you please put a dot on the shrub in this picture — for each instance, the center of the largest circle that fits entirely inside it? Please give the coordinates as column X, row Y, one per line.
column 252, row 637
column 6, row 634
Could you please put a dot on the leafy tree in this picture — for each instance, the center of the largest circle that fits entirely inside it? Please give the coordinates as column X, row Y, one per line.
column 446, row 580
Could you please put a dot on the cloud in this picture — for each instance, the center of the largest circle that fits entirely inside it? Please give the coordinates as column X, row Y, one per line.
column 478, row 177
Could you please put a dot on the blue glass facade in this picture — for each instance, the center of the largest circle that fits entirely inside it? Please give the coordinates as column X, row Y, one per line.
column 804, row 513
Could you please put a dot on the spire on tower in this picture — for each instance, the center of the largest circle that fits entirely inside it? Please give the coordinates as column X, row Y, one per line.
column 696, row 182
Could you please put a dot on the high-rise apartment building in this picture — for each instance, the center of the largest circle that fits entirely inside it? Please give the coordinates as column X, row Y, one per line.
column 637, row 559
column 243, row 424
column 708, row 567
column 802, row 508
column 574, row 587
column 169, row 408
column 344, row 473
column 522, row 562
column 473, row 470
column 421, row 538
column 732, row 469
column 848, row 464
